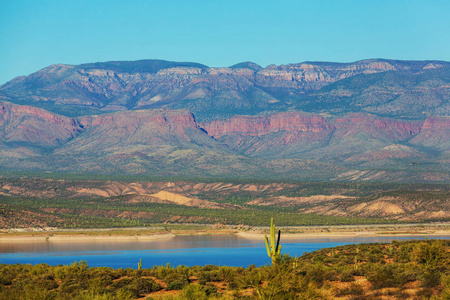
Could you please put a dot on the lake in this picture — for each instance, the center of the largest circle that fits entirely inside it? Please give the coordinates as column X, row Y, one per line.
column 185, row 250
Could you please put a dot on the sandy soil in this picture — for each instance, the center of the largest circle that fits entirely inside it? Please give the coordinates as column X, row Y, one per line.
column 328, row 235
column 252, row 234
column 8, row 238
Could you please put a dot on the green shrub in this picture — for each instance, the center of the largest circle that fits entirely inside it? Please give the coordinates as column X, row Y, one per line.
column 316, row 274
column 176, row 285
column 46, row 283
column 120, row 283
column 124, row 294
column 211, row 290
column 430, row 278
column 210, row 276
column 249, row 278
column 390, row 276
column 232, row 285
column 428, row 253
column 71, row 288
column 176, row 281
column 346, row 277
column 141, row 286
column 5, row 281
column 331, row 275
column 353, row 289
column 195, row 292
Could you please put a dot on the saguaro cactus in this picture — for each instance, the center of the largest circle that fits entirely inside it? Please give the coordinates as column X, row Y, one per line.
column 273, row 250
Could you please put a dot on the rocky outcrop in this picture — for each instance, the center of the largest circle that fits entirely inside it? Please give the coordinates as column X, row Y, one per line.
column 26, row 125
column 133, row 128
column 171, row 119
column 293, row 74
column 258, row 126
column 376, row 128
column 352, row 125
column 357, row 137
column 435, row 133
column 436, row 124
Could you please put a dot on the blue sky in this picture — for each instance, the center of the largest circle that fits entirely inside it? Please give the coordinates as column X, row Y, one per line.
column 38, row 33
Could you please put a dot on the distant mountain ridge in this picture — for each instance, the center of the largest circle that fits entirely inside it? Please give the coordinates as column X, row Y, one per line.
column 378, row 120
column 386, row 88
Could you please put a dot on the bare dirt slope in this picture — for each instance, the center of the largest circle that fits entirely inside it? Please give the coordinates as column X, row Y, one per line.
column 406, row 203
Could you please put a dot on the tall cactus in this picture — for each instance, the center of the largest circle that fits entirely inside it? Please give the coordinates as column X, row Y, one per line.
column 273, row 250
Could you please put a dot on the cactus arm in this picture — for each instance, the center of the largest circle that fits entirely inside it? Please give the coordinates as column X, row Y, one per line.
column 267, row 246
column 278, row 247
column 272, row 236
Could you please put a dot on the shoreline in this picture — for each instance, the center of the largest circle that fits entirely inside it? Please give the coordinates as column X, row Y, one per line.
column 256, row 233
column 349, row 234
column 82, row 238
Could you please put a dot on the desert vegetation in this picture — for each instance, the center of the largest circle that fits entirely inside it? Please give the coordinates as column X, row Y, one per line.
column 72, row 203
column 399, row 270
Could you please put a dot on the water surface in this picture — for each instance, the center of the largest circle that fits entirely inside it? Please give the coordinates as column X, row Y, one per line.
column 185, row 250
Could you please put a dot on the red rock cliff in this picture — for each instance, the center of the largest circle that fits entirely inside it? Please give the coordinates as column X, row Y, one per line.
column 379, row 128
column 21, row 123
column 257, row 126
column 435, row 132
column 143, row 127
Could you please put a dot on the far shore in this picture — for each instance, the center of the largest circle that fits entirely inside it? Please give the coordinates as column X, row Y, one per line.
column 246, row 232
column 349, row 234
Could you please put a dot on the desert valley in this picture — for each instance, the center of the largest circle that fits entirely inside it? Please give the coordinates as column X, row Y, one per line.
column 132, row 155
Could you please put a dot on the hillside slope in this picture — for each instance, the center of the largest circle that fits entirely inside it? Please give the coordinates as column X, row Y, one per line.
column 294, row 145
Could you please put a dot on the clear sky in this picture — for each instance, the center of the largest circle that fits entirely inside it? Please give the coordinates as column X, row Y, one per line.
column 38, row 33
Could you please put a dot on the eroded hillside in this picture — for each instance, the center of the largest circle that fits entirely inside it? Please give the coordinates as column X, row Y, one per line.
column 69, row 203
column 294, row 145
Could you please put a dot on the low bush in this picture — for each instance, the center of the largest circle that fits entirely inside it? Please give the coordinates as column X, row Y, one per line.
column 353, row 289
column 292, row 278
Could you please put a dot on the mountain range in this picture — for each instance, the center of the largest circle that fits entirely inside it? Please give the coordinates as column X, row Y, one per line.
column 377, row 120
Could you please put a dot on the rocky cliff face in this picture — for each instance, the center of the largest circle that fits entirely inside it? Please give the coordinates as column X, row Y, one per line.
column 259, row 126
column 299, row 135
column 352, row 125
column 31, row 126
column 376, row 128
column 132, row 129
column 273, row 135
column 294, row 74
column 171, row 121
column 435, row 133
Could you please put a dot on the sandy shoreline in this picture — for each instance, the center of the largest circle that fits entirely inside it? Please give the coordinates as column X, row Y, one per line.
column 312, row 233
column 350, row 234
column 82, row 238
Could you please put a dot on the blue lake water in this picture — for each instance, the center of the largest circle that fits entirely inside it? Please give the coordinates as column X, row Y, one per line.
column 179, row 250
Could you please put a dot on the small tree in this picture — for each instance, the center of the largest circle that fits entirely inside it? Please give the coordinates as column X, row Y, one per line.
column 428, row 253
